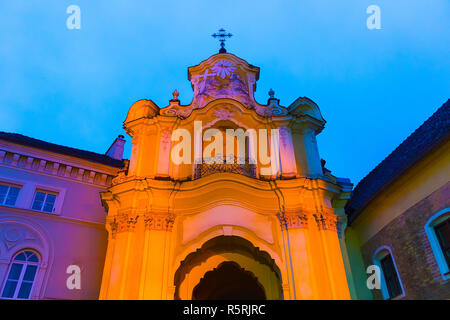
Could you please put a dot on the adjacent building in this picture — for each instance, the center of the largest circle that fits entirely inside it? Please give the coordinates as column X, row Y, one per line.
column 51, row 217
column 399, row 218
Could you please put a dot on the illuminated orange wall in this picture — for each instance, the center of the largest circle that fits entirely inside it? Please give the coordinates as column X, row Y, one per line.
column 159, row 215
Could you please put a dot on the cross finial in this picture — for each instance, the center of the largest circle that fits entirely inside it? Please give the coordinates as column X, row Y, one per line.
column 222, row 35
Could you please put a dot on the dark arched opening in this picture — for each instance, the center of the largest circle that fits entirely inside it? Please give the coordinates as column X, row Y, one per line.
column 224, row 244
column 229, row 282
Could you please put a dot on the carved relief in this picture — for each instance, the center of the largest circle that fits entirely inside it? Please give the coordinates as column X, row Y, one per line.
column 127, row 223
column 272, row 110
column 123, row 223
column 178, row 111
column 11, row 236
column 159, row 222
column 326, row 221
column 293, row 220
column 223, row 113
column 14, row 236
column 219, row 79
column 224, row 79
column 165, row 138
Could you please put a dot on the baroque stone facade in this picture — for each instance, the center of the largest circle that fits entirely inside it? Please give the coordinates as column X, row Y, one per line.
column 173, row 224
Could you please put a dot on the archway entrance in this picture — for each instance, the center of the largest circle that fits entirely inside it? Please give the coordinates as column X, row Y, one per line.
column 228, row 267
column 229, row 282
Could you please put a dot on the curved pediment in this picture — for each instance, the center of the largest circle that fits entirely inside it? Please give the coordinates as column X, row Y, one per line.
column 224, row 76
column 306, row 107
column 142, row 109
column 214, row 60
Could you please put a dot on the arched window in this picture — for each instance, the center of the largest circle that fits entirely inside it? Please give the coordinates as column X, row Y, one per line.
column 22, row 272
column 391, row 286
column 438, row 231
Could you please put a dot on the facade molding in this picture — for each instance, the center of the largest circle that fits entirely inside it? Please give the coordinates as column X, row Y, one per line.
column 54, row 167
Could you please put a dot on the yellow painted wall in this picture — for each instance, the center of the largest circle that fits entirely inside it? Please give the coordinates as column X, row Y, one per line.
column 418, row 182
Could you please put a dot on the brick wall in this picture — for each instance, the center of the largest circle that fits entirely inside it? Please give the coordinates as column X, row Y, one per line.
column 406, row 236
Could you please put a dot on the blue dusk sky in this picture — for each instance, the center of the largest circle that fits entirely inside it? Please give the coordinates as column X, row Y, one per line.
column 374, row 87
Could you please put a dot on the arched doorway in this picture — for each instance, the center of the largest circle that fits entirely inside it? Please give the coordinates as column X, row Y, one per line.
column 229, row 282
column 228, row 267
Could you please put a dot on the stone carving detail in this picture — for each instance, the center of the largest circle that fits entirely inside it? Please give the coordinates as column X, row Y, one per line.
column 12, row 235
column 220, row 79
column 273, row 110
column 165, row 138
column 178, row 111
column 223, row 80
column 159, row 222
column 123, row 223
column 223, row 113
column 127, row 222
column 326, row 221
column 293, row 221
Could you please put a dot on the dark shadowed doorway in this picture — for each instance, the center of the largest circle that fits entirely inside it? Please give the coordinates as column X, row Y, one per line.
column 229, row 282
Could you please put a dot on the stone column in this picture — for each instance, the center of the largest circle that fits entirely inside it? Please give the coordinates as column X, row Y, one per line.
column 117, row 275
column 155, row 256
column 328, row 227
column 297, row 256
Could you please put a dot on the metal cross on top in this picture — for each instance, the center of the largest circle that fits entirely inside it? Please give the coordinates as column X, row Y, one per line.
column 222, row 35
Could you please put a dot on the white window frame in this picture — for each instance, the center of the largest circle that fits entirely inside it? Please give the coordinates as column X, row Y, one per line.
column 22, row 273
column 379, row 254
column 46, row 192
column 52, row 189
column 436, row 219
column 14, row 185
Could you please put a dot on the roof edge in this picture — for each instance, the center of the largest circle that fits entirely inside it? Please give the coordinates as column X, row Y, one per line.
column 60, row 149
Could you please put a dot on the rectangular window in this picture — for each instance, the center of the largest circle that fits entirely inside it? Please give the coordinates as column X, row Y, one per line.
column 8, row 194
column 44, row 201
column 443, row 234
column 390, row 276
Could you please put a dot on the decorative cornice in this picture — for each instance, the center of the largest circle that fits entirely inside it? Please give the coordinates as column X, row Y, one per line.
column 57, row 169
